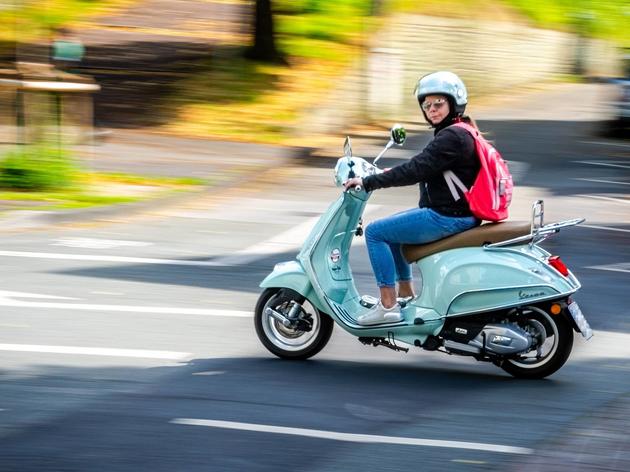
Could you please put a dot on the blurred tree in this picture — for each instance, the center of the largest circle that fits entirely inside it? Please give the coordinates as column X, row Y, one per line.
column 264, row 47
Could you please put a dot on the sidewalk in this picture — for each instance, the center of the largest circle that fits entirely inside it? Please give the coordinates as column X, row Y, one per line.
column 222, row 164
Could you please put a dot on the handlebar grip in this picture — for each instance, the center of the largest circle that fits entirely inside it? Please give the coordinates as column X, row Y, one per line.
column 357, row 188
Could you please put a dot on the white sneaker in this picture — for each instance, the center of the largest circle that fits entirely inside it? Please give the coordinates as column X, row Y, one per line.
column 379, row 314
column 368, row 301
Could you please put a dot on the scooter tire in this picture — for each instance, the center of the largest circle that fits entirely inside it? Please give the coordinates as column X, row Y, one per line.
column 272, row 334
column 555, row 361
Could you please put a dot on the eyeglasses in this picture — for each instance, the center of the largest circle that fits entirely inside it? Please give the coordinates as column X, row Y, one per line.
column 438, row 103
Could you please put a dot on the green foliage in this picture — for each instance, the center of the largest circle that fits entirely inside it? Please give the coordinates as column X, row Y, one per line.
column 27, row 20
column 357, row 7
column 37, row 167
column 608, row 19
column 328, row 20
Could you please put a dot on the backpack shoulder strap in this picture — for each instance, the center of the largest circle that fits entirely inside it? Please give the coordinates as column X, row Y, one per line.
column 454, row 183
column 471, row 129
column 451, row 179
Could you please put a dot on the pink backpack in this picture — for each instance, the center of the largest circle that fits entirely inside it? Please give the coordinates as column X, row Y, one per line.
column 491, row 193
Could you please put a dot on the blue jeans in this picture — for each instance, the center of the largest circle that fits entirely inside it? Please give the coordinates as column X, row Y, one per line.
column 415, row 226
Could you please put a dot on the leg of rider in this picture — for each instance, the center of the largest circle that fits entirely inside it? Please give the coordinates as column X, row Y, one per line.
column 405, row 289
column 382, row 261
column 414, row 226
column 403, row 272
column 388, row 296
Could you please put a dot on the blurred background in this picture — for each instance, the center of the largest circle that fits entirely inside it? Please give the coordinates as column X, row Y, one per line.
column 273, row 70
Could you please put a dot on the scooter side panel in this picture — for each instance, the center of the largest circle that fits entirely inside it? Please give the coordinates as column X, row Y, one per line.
column 291, row 275
column 476, row 279
column 328, row 260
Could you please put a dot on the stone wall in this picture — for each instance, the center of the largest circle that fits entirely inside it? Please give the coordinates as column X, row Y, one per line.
column 491, row 57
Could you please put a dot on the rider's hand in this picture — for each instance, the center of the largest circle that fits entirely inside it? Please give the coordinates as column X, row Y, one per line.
column 352, row 183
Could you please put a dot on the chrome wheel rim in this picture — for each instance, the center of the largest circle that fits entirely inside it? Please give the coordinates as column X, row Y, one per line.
column 531, row 359
column 289, row 339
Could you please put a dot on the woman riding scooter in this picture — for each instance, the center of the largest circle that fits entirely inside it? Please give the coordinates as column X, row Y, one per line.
column 442, row 97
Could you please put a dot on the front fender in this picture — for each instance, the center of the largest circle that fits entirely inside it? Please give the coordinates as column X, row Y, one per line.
column 291, row 275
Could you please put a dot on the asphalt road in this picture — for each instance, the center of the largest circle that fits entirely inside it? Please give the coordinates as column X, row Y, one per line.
column 130, row 345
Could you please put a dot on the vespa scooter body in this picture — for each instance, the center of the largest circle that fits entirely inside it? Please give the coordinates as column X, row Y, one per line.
column 505, row 301
column 457, row 282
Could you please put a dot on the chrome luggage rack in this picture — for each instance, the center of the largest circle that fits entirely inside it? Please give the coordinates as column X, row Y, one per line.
column 539, row 231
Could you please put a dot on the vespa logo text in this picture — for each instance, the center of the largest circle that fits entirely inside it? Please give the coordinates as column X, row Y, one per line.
column 524, row 295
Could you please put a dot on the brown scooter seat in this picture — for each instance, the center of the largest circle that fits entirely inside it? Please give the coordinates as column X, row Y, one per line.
column 485, row 234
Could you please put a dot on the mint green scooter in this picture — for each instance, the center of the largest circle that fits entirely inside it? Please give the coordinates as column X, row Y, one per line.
column 490, row 292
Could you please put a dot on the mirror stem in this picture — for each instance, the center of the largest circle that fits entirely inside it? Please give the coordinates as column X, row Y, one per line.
column 387, row 146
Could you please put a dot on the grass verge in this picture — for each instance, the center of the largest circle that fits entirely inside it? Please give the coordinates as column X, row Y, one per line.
column 98, row 189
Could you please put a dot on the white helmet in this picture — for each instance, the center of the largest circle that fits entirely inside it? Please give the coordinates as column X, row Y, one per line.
column 443, row 83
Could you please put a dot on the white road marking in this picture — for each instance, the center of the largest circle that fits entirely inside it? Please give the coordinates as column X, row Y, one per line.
column 606, row 228
column 94, row 243
column 605, row 164
column 99, row 258
column 9, row 299
column 10, row 294
column 259, row 210
column 608, row 199
column 621, row 267
column 97, row 351
column 602, row 143
column 468, row 461
column 12, row 325
column 604, row 347
column 602, row 181
column 210, row 372
column 100, row 292
column 349, row 437
column 285, row 242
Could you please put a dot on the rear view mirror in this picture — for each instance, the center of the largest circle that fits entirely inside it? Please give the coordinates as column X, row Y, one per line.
column 399, row 134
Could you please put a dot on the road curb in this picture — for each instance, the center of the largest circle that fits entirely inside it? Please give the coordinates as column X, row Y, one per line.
column 26, row 219
column 16, row 220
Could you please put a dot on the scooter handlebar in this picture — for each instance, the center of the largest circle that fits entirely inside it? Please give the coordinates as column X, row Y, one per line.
column 356, row 188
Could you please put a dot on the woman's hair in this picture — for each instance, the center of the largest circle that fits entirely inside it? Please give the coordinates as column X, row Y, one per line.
column 469, row 121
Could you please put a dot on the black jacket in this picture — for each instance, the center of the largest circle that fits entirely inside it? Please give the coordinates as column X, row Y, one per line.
column 452, row 148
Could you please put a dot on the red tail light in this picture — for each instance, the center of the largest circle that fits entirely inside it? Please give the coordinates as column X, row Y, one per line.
column 556, row 263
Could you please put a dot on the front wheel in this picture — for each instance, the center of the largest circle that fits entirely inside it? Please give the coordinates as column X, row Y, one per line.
column 306, row 339
column 554, row 341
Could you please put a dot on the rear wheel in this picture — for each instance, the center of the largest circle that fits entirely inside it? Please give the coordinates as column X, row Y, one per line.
column 302, row 340
column 554, row 341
